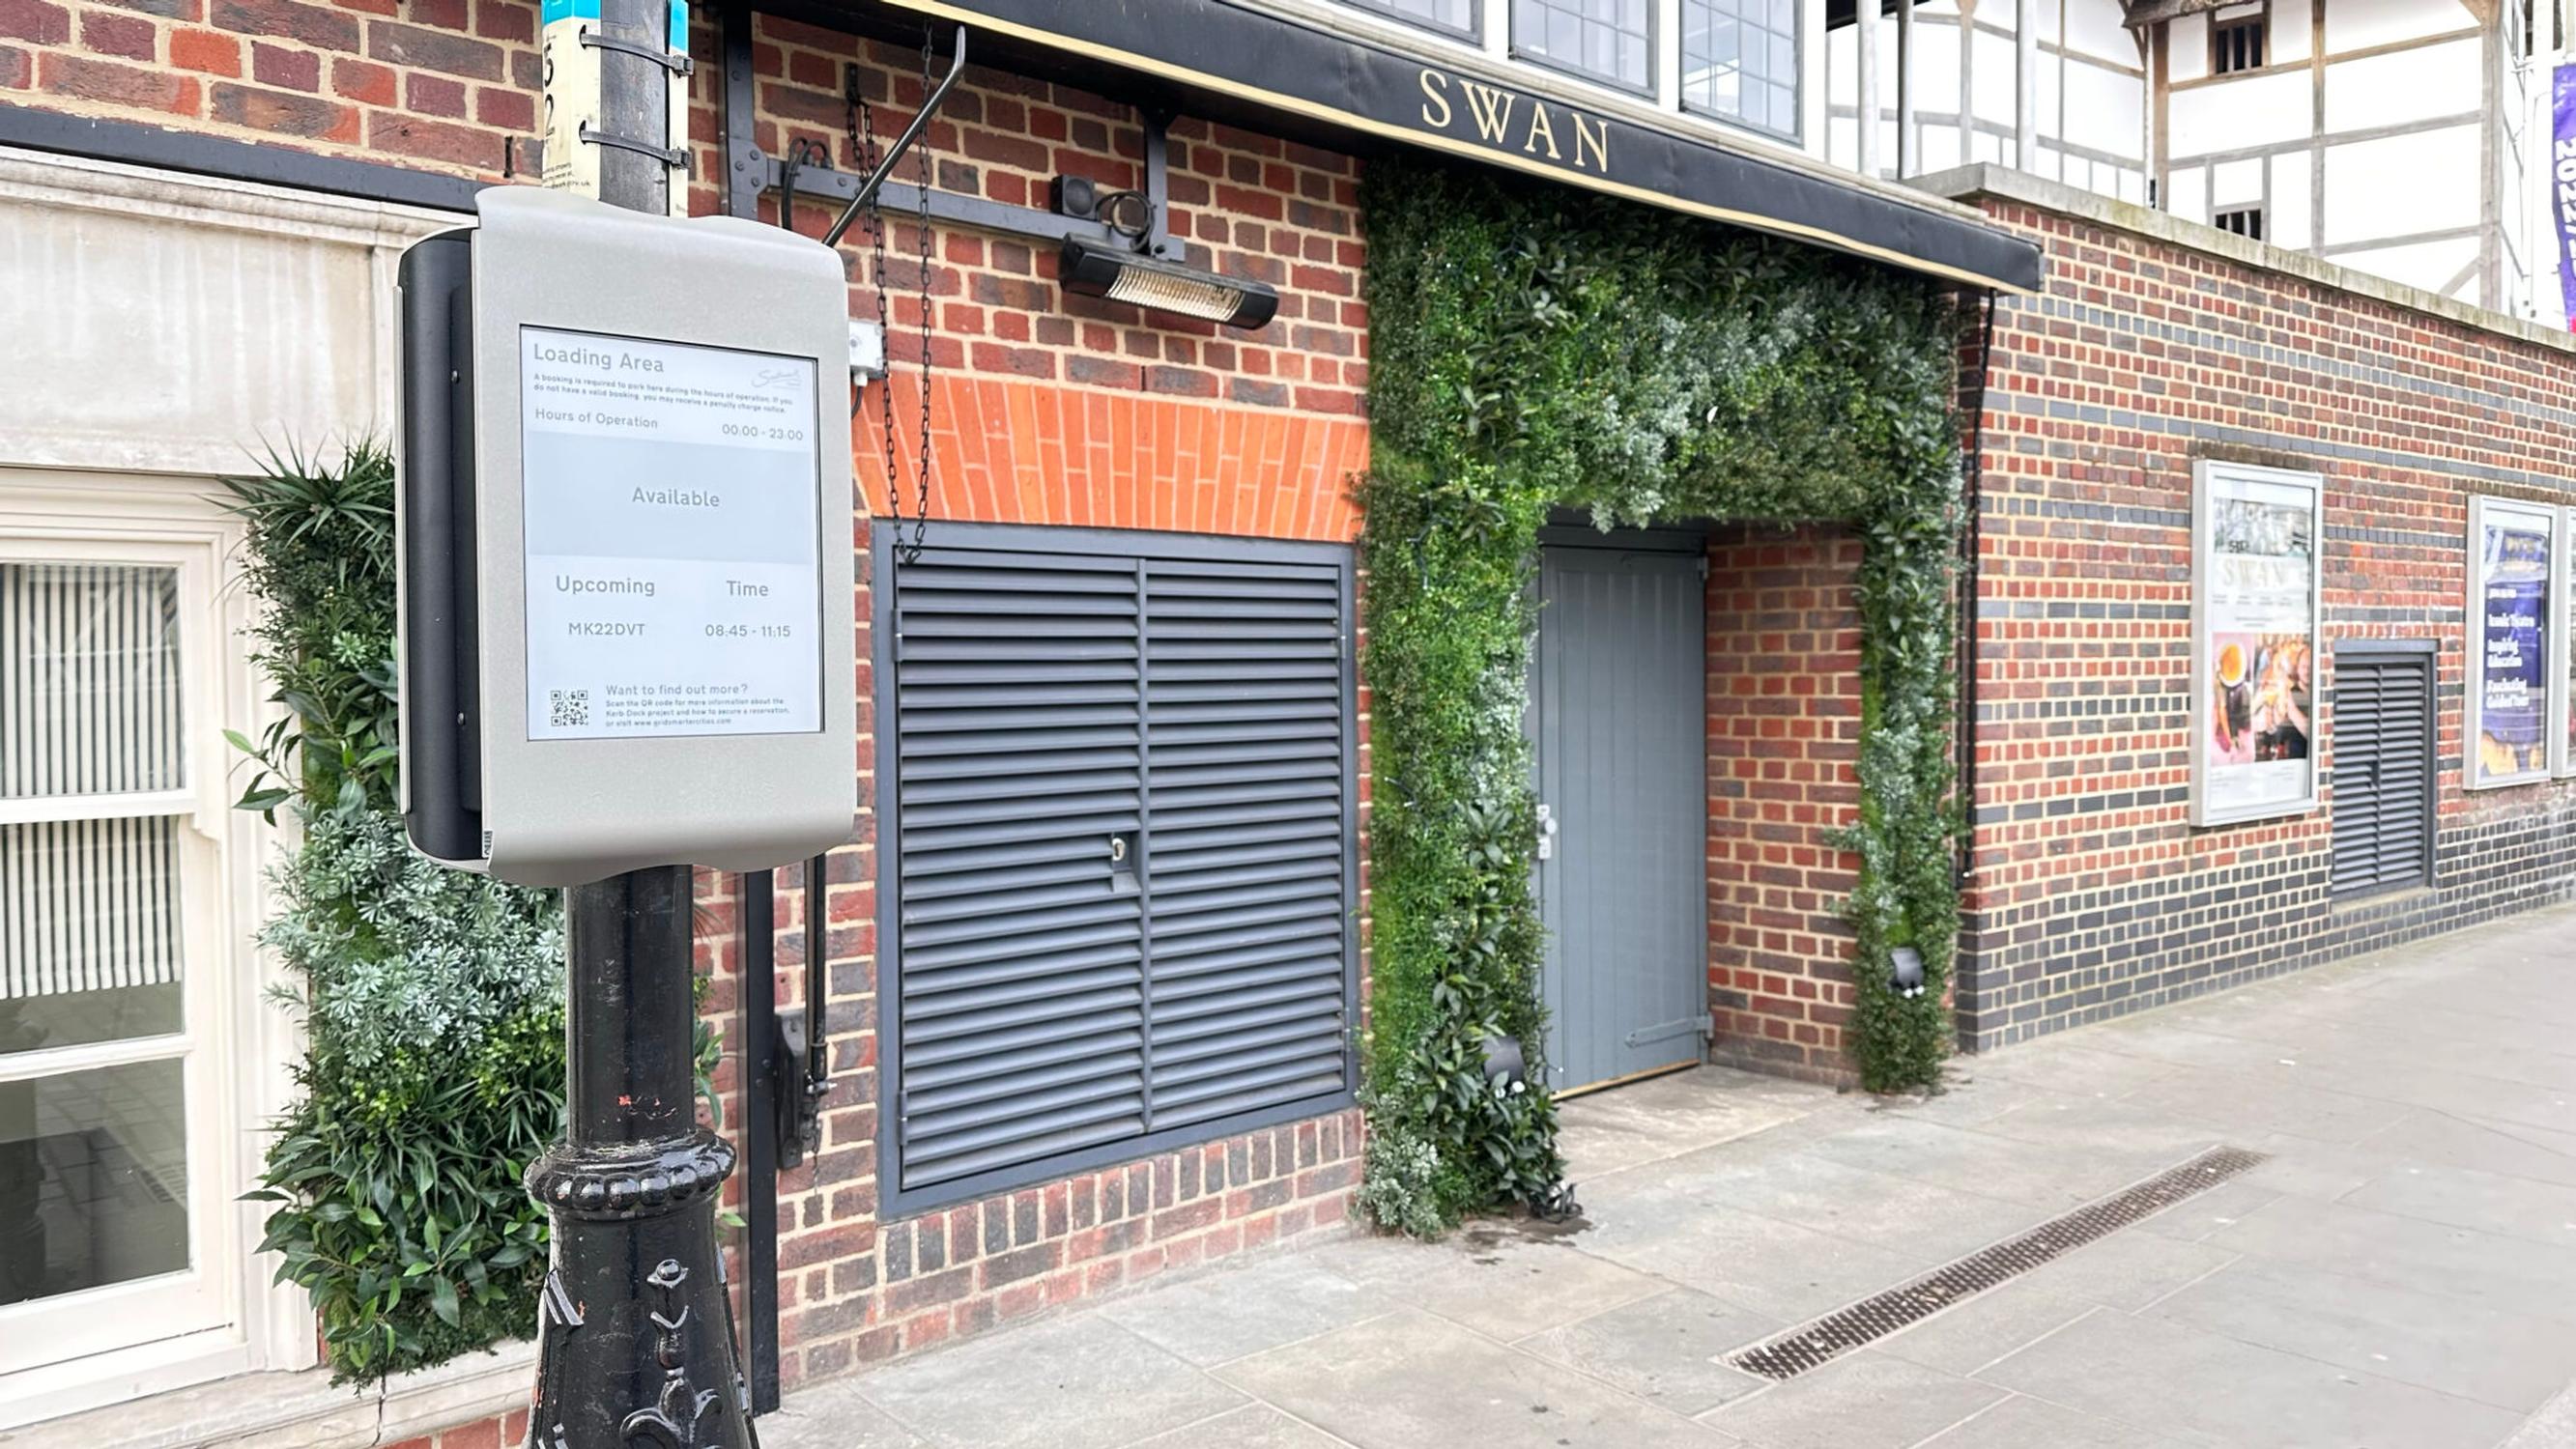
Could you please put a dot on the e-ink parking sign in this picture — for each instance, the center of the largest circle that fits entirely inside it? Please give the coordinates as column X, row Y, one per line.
column 672, row 551
column 626, row 525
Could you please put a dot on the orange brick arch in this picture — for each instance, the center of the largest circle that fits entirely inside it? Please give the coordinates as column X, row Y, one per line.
column 1011, row 451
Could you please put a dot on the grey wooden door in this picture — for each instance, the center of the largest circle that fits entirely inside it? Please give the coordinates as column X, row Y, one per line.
column 1619, row 722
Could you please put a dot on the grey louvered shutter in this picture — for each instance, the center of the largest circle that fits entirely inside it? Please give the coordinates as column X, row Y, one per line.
column 1121, row 844
column 1245, row 820
column 1021, row 994
column 2383, row 770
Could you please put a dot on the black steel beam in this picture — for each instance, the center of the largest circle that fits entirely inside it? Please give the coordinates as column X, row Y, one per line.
column 1158, row 186
column 742, row 181
column 901, row 200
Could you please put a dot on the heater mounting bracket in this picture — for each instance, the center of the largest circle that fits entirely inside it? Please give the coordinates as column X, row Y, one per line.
column 755, row 173
column 1158, row 185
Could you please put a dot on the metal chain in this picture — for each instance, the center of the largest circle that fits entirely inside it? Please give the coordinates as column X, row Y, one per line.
column 921, row 150
column 863, row 141
column 863, row 121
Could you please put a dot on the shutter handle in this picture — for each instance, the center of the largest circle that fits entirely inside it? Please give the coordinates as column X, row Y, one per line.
column 1122, row 863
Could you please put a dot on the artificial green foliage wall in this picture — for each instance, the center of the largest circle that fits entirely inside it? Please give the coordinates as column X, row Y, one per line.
column 432, row 999
column 1532, row 348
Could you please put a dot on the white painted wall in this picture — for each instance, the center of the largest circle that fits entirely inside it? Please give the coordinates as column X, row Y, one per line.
column 2360, row 24
column 2090, row 95
column 2267, row 135
column 2288, row 40
column 2187, row 48
column 2433, row 266
column 2292, row 221
column 2399, row 88
column 163, row 325
column 2397, row 186
column 2228, row 114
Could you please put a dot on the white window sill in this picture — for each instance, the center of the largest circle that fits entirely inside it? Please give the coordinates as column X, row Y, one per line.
column 299, row 1410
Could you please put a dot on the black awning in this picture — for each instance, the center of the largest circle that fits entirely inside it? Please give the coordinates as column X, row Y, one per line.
column 1225, row 62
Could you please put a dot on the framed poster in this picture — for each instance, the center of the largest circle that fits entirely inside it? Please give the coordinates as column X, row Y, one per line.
column 2567, row 640
column 2510, row 731
column 2256, row 618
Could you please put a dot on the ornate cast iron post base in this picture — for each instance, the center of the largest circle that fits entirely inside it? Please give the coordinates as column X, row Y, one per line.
column 636, row 1331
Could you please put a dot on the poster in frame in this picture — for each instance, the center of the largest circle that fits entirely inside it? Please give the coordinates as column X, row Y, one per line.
column 2258, row 536
column 2511, row 731
column 2566, row 734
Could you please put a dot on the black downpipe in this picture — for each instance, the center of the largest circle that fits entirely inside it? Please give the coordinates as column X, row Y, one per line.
column 761, row 1062
column 818, row 994
column 1972, row 550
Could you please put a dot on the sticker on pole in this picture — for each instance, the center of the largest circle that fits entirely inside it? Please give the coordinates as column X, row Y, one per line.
column 673, row 539
column 571, row 93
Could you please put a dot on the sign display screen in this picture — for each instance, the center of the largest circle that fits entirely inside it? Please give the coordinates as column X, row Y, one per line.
column 673, row 539
column 2254, row 700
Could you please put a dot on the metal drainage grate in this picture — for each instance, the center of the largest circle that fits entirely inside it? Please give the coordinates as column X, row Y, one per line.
column 1845, row 1329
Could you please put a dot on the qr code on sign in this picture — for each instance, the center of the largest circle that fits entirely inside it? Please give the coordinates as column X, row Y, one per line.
column 568, row 708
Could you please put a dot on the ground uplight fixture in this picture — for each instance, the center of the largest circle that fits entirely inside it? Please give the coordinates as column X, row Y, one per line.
column 1908, row 980
column 1505, row 1062
column 1091, row 270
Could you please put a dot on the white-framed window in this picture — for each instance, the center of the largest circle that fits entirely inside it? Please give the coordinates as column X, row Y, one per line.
column 1611, row 41
column 1461, row 18
column 130, row 1109
column 1740, row 60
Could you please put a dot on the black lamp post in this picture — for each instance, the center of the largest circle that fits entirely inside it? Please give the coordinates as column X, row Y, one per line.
column 636, row 1330
column 635, row 1343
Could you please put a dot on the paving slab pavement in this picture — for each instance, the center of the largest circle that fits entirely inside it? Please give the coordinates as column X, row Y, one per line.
column 2398, row 1273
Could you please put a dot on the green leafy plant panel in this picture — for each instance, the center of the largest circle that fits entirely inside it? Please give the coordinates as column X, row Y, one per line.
column 1534, row 348
column 432, row 999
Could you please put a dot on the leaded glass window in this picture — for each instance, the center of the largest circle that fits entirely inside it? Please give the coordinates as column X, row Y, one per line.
column 1610, row 40
column 1740, row 61
column 1458, row 17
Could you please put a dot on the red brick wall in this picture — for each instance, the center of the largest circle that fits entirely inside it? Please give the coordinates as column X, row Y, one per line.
column 2093, row 895
column 436, row 84
column 1783, row 751
column 500, row 1431
column 1061, row 410
column 1242, row 203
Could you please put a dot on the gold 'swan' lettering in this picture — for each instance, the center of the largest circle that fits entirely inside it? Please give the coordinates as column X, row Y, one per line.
column 1598, row 135
column 1493, row 110
column 1435, row 92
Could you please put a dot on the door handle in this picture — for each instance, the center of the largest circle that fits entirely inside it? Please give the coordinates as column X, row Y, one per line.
column 1546, row 832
